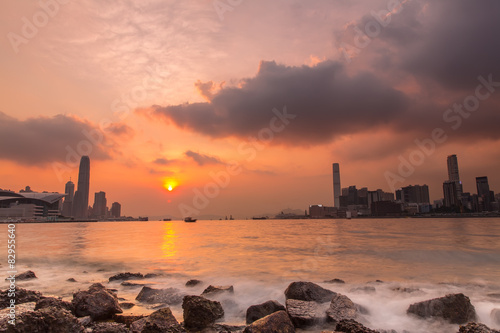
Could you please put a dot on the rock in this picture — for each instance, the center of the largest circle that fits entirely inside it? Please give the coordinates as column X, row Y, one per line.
column 20, row 308
column 341, row 308
column 306, row 313
column 200, row 312
column 22, row 296
column 108, row 327
column 308, row 291
column 50, row 319
column 456, row 308
column 126, row 276
column 170, row 296
column 277, row 322
column 476, row 328
column 193, row 282
column 28, row 275
column 407, row 290
column 54, row 302
column 495, row 316
column 256, row 312
column 71, row 280
column 365, row 289
column 215, row 290
column 152, row 275
column 85, row 321
column 127, row 319
column 127, row 305
column 352, row 326
column 132, row 284
column 163, row 320
column 98, row 303
column 221, row 328
column 335, row 281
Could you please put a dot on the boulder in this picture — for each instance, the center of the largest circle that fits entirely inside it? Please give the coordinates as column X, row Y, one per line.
column 98, row 303
column 127, row 305
column 221, row 328
column 108, row 327
column 352, row 326
column 308, row 291
column 5, row 314
column 277, row 322
column 335, row 281
column 132, row 284
column 50, row 319
column 193, row 282
column 305, row 313
column 476, row 328
column 71, row 280
column 455, row 308
column 28, row 275
column 341, row 308
column 495, row 316
column 126, row 276
column 22, row 296
column 200, row 312
column 152, row 275
column 256, row 312
column 215, row 290
column 54, row 302
column 170, row 296
column 162, row 319
column 85, row 321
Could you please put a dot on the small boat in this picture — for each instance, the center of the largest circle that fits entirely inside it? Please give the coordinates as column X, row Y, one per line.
column 189, row 219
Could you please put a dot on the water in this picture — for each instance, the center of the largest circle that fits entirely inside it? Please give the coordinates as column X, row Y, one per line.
column 260, row 258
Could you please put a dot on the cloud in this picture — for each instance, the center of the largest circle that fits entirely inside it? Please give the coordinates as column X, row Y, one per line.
column 41, row 140
column 163, row 161
column 120, row 129
column 202, row 159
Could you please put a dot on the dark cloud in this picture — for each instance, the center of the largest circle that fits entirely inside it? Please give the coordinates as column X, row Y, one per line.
column 120, row 129
column 326, row 101
column 163, row 161
column 43, row 140
column 203, row 159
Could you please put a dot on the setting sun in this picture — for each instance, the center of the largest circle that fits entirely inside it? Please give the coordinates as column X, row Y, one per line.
column 170, row 184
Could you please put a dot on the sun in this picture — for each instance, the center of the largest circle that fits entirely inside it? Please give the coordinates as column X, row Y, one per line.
column 170, row 184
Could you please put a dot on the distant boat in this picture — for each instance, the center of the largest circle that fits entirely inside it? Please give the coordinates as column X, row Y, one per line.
column 189, row 219
column 260, row 218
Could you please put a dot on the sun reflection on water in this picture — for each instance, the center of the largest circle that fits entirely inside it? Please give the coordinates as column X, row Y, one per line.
column 168, row 245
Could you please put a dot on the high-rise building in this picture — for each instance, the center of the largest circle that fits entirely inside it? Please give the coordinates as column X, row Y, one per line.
column 483, row 193
column 100, row 203
column 450, row 194
column 116, row 209
column 453, row 174
column 69, row 190
column 414, row 194
column 453, row 199
column 336, row 185
column 81, row 199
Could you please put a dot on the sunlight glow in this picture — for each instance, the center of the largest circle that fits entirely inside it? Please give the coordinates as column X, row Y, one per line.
column 170, row 184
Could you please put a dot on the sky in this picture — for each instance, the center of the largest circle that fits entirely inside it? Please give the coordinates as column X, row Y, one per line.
column 240, row 107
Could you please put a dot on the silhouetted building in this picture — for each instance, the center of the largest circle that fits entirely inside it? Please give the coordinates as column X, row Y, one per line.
column 450, row 193
column 69, row 190
column 336, row 185
column 320, row 211
column 484, row 194
column 100, row 202
column 116, row 209
column 386, row 208
column 27, row 189
column 413, row 194
column 81, row 199
column 453, row 173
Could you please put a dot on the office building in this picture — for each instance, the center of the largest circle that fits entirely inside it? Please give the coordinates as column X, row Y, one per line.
column 81, row 199
column 69, row 190
column 116, row 209
column 336, row 185
column 485, row 196
column 99, row 207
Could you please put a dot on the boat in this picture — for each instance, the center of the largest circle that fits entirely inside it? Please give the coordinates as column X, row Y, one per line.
column 260, row 218
column 167, row 219
column 189, row 219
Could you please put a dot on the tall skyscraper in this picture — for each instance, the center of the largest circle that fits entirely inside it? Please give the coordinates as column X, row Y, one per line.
column 453, row 174
column 81, row 199
column 116, row 209
column 100, row 203
column 483, row 192
column 69, row 189
column 336, row 185
column 453, row 192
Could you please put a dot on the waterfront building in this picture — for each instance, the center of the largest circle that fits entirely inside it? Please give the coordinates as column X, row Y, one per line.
column 81, row 199
column 336, row 185
column 99, row 207
column 116, row 210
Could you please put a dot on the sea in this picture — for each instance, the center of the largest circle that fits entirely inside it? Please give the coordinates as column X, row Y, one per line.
column 386, row 264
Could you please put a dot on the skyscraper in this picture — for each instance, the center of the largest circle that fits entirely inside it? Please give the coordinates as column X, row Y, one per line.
column 100, row 203
column 81, row 199
column 69, row 189
column 453, row 192
column 336, row 185
column 483, row 192
column 453, row 174
column 116, row 209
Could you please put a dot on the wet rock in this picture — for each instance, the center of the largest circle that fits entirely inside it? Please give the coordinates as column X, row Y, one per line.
column 305, row 313
column 52, row 320
column 28, row 275
column 495, row 316
column 455, row 308
column 71, row 280
column 170, row 296
column 132, row 284
column 22, row 296
column 352, row 326
column 126, row 276
column 341, row 308
column 108, row 327
column 256, row 312
column 127, row 319
column 407, row 290
column 277, row 322
column 85, row 321
column 476, row 328
column 54, row 302
column 153, row 275
column 98, row 303
column 162, row 319
column 215, row 290
column 308, row 291
column 127, row 305
column 221, row 328
column 20, row 308
column 193, row 282
column 335, row 281
column 200, row 312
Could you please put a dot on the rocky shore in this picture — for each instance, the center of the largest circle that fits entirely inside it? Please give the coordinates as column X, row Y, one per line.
column 308, row 306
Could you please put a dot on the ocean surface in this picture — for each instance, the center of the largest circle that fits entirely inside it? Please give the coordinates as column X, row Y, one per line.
column 430, row 257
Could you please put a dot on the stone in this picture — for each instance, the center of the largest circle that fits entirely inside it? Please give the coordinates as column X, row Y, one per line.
column 170, row 296
column 108, row 327
column 193, row 282
column 98, row 303
column 308, row 291
column 85, row 321
column 365, row 289
column 200, row 313
column 277, row 322
column 495, row 316
column 127, row 319
column 221, row 328
column 54, row 302
column 50, row 320
column 305, row 314
column 335, row 281
column 22, row 296
column 132, row 284
column 215, row 290
column 455, row 308
column 153, row 275
column 162, row 319
column 28, row 275
column 126, row 276
column 20, row 308
column 71, row 280
column 352, row 326
column 127, row 305
column 256, row 312
column 476, row 328
column 407, row 290
column 341, row 308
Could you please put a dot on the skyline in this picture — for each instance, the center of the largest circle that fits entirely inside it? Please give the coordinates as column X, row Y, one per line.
column 165, row 94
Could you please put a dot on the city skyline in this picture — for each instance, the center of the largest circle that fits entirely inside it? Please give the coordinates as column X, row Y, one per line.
column 172, row 99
